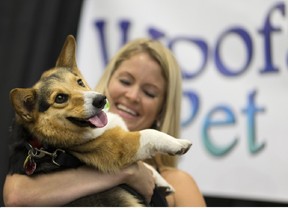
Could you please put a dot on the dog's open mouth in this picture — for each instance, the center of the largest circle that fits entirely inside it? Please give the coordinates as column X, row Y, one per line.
column 97, row 121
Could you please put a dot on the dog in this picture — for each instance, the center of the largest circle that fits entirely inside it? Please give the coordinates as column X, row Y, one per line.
column 61, row 123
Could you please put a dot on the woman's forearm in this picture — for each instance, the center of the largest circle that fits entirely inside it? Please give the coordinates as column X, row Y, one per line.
column 60, row 188
column 56, row 189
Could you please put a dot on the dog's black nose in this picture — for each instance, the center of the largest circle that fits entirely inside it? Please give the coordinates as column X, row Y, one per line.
column 99, row 101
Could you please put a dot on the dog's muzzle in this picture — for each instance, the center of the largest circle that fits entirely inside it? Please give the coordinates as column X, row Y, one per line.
column 97, row 120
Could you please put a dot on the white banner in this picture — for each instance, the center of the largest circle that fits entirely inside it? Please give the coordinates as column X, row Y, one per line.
column 233, row 56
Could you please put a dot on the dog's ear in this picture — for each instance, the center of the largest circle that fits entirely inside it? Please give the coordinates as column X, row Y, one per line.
column 67, row 57
column 23, row 101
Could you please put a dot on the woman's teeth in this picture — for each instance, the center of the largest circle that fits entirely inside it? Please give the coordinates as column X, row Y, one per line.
column 125, row 109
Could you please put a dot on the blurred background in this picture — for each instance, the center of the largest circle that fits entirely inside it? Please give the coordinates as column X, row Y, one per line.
column 234, row 59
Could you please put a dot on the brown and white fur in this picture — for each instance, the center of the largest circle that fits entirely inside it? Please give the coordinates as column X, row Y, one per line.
column 61, row 110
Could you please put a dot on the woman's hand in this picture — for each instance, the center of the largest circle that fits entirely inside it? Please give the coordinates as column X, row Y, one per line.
column 140, row 178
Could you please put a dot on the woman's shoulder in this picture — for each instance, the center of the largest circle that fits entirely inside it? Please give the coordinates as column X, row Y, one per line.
column 178, row 177
column 187, row 191
column 175, row 173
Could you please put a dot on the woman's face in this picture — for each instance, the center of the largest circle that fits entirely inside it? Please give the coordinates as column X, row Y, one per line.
column 136, row 91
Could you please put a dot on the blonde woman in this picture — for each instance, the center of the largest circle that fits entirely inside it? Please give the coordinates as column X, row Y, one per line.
column 145, row 74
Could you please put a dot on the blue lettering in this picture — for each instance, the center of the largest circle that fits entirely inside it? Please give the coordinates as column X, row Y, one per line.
column 251, row 111
column 209, row 123
column 194, row 104
column 266, row 32
column 248, row 43
column 124, row 28
column 204, row 50
column 155, row 34
column 100, row 25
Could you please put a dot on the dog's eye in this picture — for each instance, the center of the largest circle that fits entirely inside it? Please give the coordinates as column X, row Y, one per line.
column 61, row 98
column 80, row 82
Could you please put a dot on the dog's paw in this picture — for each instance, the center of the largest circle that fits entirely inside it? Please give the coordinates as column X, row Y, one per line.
column 166, row 190
column 152, row 141
column 180, row 147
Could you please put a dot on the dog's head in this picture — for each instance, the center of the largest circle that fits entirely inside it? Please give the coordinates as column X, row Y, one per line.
column 60, row 108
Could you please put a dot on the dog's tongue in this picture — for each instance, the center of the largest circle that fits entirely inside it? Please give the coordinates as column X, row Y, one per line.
column 99, row 120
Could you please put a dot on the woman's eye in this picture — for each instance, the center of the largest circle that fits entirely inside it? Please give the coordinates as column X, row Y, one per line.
column 149, row 94
column 81, row 83
column 125, row 82
column 61, row 98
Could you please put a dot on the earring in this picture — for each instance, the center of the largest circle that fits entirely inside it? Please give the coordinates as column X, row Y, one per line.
column 158, row 124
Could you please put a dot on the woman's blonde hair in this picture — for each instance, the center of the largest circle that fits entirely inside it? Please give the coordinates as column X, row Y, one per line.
column 169, row 119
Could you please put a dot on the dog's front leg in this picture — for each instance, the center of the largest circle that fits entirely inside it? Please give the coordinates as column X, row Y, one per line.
column 153, row 141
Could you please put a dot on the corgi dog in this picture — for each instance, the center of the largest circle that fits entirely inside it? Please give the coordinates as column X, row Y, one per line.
column 62, row 124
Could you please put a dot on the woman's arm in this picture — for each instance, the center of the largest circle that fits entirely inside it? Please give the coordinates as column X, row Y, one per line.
column 187, row 192
column 59, row 188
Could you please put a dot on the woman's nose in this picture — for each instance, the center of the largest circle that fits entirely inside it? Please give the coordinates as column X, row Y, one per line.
column 133, row 94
